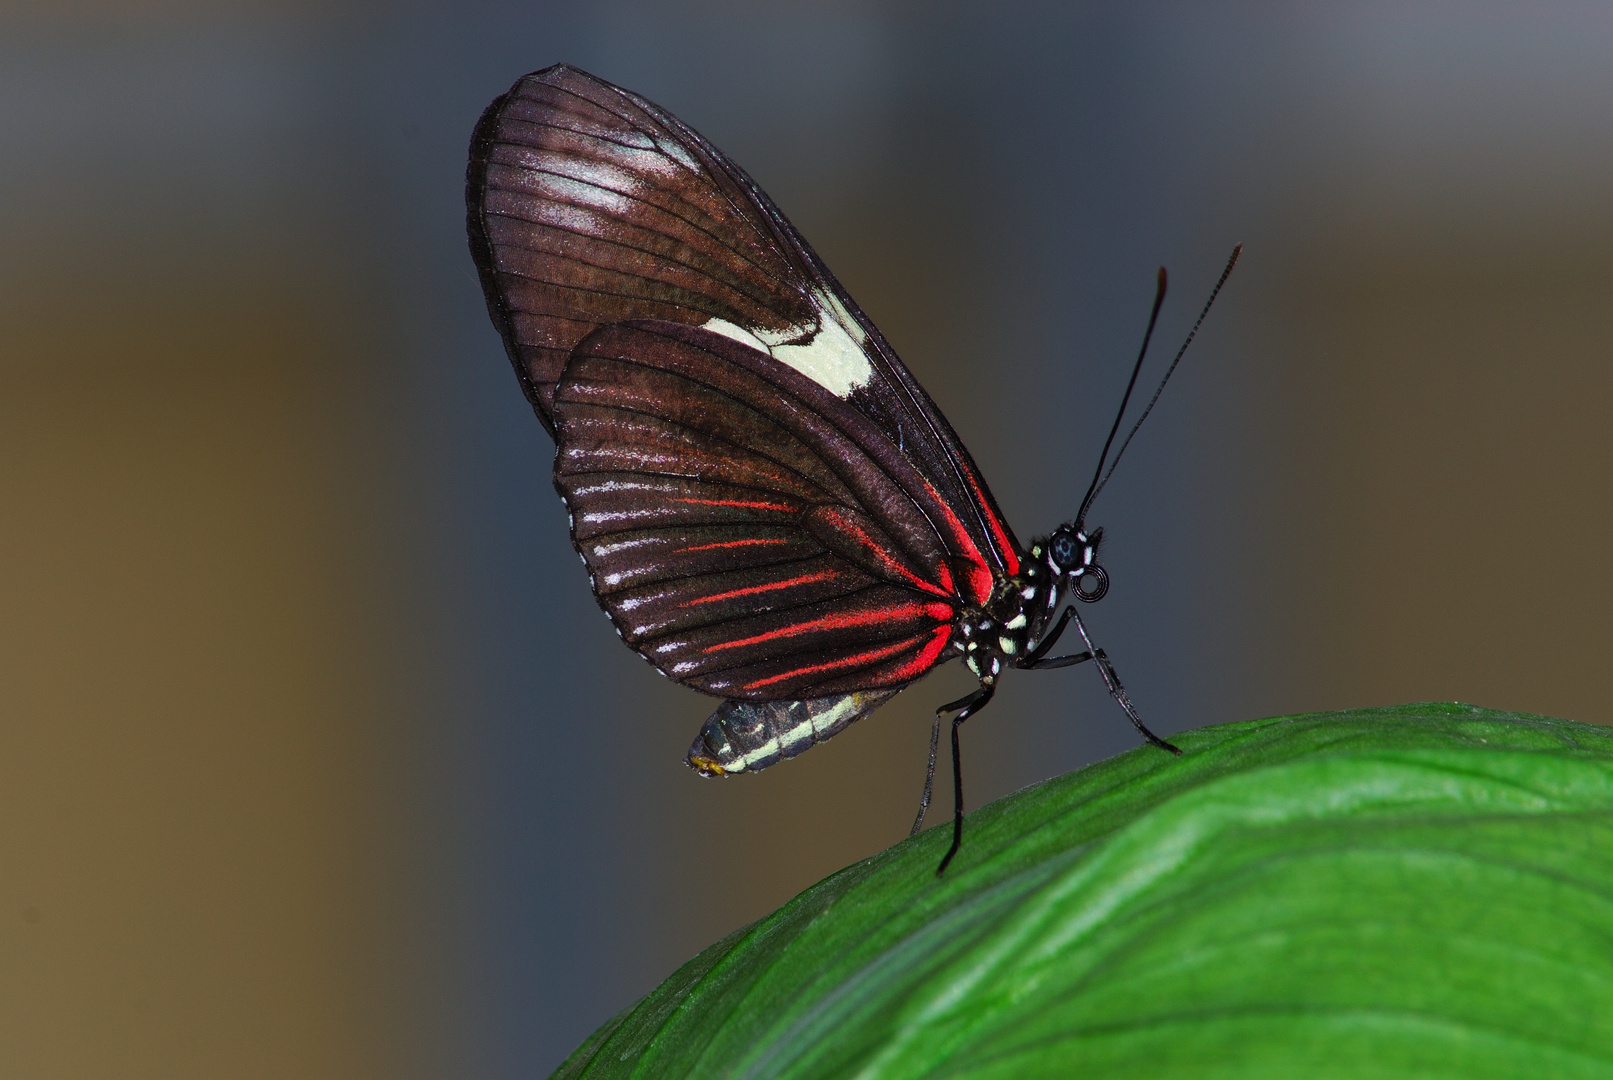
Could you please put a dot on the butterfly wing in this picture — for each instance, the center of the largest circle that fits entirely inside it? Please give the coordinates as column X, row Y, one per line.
column 750, row 533
column 590, row 206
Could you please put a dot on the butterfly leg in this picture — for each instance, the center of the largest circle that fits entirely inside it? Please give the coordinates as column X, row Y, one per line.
column 1057, row 662
column 934, row 745
column 929, row 775
column 1111, row 679
column 1033, row 658
column 965, row 707
column 1038, row 658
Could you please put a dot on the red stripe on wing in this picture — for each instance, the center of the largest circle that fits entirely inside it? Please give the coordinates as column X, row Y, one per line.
column 980, row 576
column 923, row 660
column 856, row 660
column 804, row 579
column 733, row 544
column 926, row 658
column 1005, row 546
column 842, row 621
column 844, row 531
column 734, row 502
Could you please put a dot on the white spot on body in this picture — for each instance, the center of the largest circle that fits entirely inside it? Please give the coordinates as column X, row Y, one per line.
column 825, row 722
column 766, row 750
column 832, row 354
column 795, row 733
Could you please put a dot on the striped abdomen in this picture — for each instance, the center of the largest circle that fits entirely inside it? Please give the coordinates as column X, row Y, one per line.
column 744, row 736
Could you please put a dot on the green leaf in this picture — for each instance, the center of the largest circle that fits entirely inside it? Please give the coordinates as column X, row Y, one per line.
column 1418, row 891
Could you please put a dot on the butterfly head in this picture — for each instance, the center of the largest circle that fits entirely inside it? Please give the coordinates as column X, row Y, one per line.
column 1065, row 563
column 1072, row 556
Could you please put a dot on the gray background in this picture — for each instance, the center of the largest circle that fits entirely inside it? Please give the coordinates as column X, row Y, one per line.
column 319, row 759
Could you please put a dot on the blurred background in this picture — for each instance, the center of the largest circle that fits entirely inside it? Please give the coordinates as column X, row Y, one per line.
column 299, row 674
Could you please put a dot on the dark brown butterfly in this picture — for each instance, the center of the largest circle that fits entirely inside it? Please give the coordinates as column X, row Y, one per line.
column 770, row 507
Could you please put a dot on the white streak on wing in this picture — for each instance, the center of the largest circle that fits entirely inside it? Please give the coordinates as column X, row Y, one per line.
column 570, row 218
column 672, row 148
column 634, row 137
column 585, row 194
column 536, row 165
column 604, row 485
column 601, row 550
column 599, row 174
column 645, row 159
column 831, row 355
column 600, row 517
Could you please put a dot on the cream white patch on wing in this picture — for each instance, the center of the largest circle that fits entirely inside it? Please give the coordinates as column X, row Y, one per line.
column 737, row 333
column 830, row 354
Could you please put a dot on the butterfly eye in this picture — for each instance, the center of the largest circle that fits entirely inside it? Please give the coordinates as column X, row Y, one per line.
column 1066, row 551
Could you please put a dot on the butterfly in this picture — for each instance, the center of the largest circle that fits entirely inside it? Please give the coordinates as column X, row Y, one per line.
column 770, row 507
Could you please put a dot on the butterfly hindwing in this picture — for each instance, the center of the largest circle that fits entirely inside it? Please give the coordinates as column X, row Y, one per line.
column 791, row 564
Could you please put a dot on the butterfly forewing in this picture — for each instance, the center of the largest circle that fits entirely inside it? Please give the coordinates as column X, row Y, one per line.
column 590, row 206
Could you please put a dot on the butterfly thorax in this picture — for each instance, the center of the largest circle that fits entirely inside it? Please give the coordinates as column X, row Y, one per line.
column 1020, row 607
column 1001, row 629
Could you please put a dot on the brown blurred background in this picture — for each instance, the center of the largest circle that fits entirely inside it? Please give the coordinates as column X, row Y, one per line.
column 297, row 668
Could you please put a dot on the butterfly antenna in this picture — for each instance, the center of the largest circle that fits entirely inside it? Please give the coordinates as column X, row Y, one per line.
column 1098, row 484
column 1094, row 487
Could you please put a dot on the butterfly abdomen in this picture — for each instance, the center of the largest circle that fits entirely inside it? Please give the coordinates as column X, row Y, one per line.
column 746, row 736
